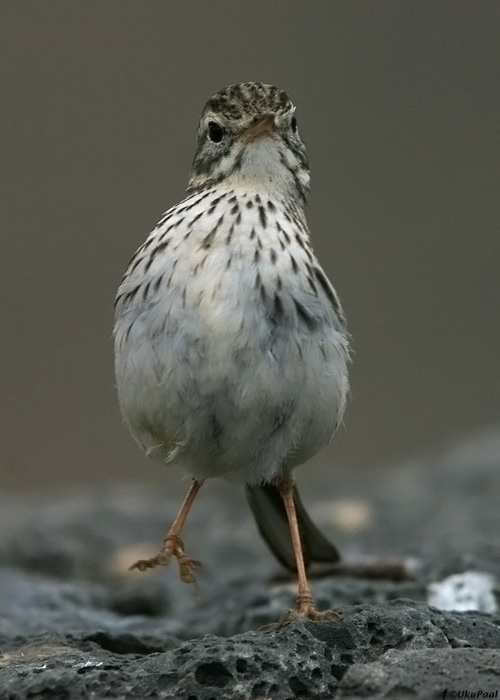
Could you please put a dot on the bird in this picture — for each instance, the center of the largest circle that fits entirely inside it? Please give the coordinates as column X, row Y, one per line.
column 231, row 347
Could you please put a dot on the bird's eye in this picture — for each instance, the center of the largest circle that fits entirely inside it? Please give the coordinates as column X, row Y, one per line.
column 293, row 124
column 215, row 132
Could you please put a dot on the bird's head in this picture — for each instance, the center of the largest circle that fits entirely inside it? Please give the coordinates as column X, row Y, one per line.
column 248, row 137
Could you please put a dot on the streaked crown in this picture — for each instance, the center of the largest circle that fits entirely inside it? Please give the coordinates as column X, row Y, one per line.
column 244, row 101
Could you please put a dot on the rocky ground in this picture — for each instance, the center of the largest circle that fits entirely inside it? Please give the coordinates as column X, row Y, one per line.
column 74, row 623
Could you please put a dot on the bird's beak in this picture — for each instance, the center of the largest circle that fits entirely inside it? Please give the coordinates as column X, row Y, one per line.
column 265, row 125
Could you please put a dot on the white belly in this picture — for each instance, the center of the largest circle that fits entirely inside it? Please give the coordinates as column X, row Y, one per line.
column 217, row 376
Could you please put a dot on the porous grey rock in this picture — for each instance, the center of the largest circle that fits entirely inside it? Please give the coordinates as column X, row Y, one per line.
column 74, row 623
column 371, row 651
column 425, row 674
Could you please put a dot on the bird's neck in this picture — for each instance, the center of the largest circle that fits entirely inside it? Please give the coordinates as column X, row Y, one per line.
column 264, row 167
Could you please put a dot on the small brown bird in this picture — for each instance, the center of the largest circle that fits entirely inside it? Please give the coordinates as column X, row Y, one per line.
column 231, row 351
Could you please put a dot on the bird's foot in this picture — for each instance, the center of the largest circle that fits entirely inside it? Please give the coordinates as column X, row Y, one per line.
column 305, row 610
column 173, row 546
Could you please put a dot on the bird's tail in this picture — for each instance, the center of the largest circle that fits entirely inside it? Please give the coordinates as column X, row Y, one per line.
column 270, row 515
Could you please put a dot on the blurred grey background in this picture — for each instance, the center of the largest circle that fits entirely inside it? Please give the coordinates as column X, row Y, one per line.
column 399, row 104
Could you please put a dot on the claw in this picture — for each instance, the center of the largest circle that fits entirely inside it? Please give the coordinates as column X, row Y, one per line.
column 187, row 567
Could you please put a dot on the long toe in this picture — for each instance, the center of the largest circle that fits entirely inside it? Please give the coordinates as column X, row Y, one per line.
column 308, row 613
column 187, row 567
column 161, row 559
